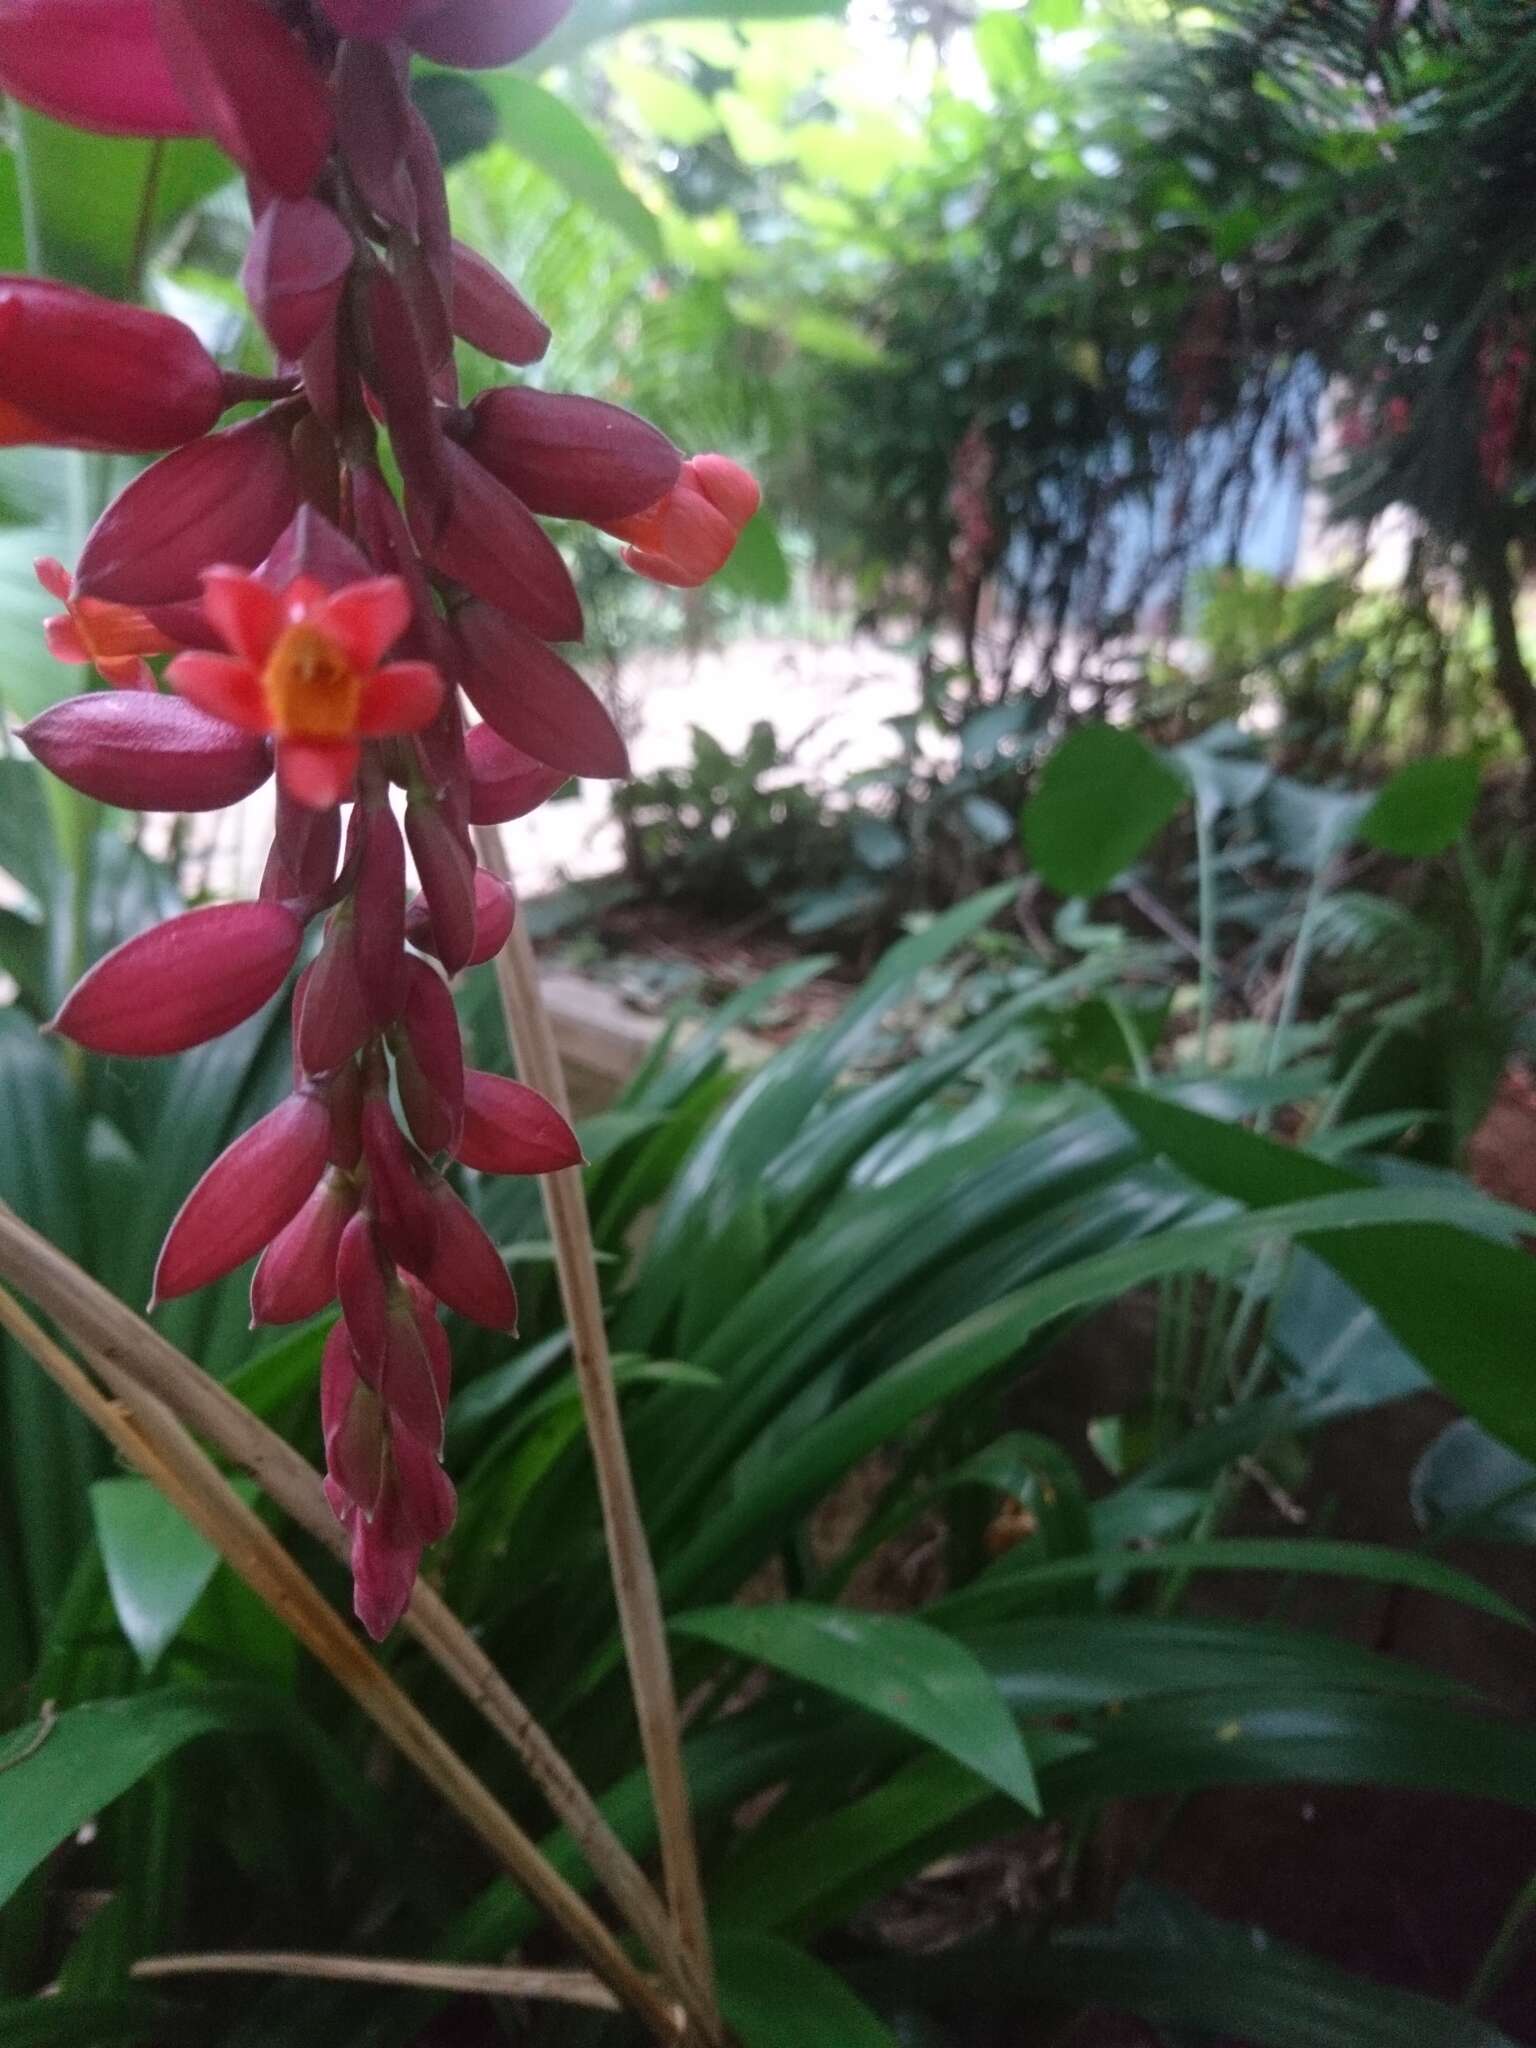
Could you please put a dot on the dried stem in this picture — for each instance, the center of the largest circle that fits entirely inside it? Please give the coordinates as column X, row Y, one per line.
column 133, row 1357
column 151, row 1439
column 634, row 1575
column 565, row 1987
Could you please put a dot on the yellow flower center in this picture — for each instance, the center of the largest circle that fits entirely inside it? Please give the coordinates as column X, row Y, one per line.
column 312, row 689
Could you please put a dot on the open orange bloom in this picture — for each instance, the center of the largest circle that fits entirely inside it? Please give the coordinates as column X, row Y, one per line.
column 305, row 666
column 114, row 638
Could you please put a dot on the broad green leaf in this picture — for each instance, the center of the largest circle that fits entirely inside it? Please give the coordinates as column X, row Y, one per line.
column 672, row 110
column 55, row 1777
column 1372, row 1563
column 1463, row 1305
column 1104, row 795
column 965, row 1354
column 1468, row 1483
column 890, row 1665
column 773, row 1994
column 544, row 129
column 157, row 1565
column 592, row 21
column 1424, row 808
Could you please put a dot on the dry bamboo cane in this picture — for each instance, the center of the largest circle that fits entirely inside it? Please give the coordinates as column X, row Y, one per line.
column 132, row 1356
column 150, row 1438
column 634, row 1576
column 564, row 1987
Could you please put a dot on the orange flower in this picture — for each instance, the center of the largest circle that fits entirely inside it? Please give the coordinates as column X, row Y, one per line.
column 305, row 666
column 687, row 536
column 113, row 637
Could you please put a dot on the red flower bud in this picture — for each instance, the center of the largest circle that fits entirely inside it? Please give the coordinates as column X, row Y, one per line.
column 495, row 915
column 295, row 1276
column 379, row 929
column 481, row 35
column 490, row 314
column 252, row 87
column 402, row 376
column 225, row 498
column 147, row 753
column 467, row 1271
column 244, row 1199
column 376, row 19
column 571, row 458
column 331, row 1014
column 77, row 371
column 504, row 782
column 372, row 121
column 512, row 1129
column 494, row 546
column 363, row 1283
column 404, row 1217
column 95, row 64
column 533, row 698
column 294, row 271
column 447, row 870
column 185, row 982
column 429, row 1061
column 305, row 843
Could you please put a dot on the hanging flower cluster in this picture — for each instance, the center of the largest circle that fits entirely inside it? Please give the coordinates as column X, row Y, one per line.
column 320, row 630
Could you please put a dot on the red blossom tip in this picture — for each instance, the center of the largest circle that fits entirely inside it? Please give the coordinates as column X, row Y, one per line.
column 504, row 782
column 252, row 87
column 225, row 498
column 509, row 1128
column 246, row 1197
column 94, row 64
column 490, row 314
column 534, row 699
column 187, row 981
column 571, row 458
column 78, row 371
column 294, row 271
column 147, row 752
column 494, row 546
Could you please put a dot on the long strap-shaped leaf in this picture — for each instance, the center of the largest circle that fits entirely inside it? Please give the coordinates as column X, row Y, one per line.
column 121, row 1343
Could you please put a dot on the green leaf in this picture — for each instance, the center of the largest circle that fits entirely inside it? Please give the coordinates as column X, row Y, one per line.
column 1461, row 1303
column 592, row 21
column 89, row 194
column 1167, row 1962
column 55, row 1777
column 773, row 1994
column 1424, row 808
column 157, row 1565
column 1005, row 44
column 1104, row 796
column 81, row 2022
column 757, row 569
column 890, row 1665
column 1373, row 1563
column 543, row 129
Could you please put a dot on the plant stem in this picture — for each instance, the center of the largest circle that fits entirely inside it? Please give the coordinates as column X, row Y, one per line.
column 629, row 1555
column 566, row 1987
column 1205, row 859
column 144, row 226
column 151, row 1439
column 125, row 1351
